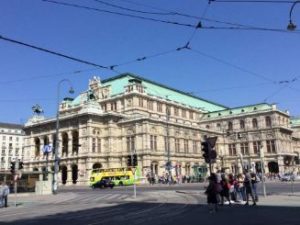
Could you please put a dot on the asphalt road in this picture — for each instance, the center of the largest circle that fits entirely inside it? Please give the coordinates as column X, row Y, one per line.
column 271, row 188
column 161, row 205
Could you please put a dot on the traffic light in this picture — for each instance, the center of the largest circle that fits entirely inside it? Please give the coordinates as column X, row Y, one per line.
column 21, row 165
column 129, row 160
column 206, row 151
column 12, row 167
column 135, row 161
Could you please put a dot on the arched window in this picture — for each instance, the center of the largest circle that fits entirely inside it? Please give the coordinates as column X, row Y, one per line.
column 268, row 121
column 230, row 125
column 65, row 140
column 254, row 123
column 75, row 142
column 242, row 124
column 37, row 146
column 46, row 140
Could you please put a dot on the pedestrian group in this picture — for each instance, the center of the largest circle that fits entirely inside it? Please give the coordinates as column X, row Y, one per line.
column 229, row 189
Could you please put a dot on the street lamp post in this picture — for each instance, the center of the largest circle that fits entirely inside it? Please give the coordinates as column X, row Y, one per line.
column 262, row 155
column 292, row 26
column 56, row 159
column 168, row 164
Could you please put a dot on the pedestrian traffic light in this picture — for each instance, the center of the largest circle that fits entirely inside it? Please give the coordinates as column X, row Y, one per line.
column 21, row 165
column 129, row 160
column 135, row 161
column 12, row 167
column 206, row 150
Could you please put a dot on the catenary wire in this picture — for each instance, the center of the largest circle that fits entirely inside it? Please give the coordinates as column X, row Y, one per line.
column 232, row 65
column 54, row 53
column 250, row 1
column 133, row 10
column 45, row 76
column 119, row 13
column 201, row 18
column 237, row 27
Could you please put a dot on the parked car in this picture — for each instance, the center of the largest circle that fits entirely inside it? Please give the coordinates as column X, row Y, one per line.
column 290, row 177
column 105, row 183
column 295, row 177
column 286, row 177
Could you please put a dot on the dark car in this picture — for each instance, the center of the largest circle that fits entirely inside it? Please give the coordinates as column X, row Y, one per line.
column 105, row 183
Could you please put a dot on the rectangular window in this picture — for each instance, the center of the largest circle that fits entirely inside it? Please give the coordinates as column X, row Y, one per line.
column 104, row 107
column 194, row 146
column 130, row 144
column 176, row 111
column 113, row 106
column 245, row 148
column 232, row 149
column 159, row 107
column 191, row 115
column 183, row 113
column 150, row 105
column 271, row 146
column 177, row 145
column 153, row 142
column 10, row 138
column 94, row 145
column 256, row 145
column 186, row 146
column 99, row 145
column 141, row 102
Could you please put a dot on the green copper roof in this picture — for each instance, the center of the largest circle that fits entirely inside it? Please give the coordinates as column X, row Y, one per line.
column 240, row 110
column 152, row 88
column 295, row 122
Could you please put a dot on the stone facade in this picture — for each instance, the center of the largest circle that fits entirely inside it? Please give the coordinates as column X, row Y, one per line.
column 11, row 142
column 126, row 114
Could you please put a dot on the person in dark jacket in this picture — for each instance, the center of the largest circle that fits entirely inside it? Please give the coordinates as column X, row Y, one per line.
column 212, row 194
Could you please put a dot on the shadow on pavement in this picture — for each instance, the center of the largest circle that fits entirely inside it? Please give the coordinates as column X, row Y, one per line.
column 165, row 213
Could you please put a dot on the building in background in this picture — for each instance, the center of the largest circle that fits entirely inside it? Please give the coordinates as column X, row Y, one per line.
column 11, row 143
column 128, row 114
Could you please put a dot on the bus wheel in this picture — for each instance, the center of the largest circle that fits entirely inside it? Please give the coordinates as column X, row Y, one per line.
column 121, row 183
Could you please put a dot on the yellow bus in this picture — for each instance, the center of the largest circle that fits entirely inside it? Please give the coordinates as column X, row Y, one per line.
column 119, row 176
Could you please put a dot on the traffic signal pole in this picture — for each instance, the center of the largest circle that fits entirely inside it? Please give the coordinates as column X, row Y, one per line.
column 134, row 169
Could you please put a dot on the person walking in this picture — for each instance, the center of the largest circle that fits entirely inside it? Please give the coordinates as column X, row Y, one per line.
column 225, row 190
column 241, row 187
column 5, row 193
column 248, row 187
column 1, row 194
column 254, row 181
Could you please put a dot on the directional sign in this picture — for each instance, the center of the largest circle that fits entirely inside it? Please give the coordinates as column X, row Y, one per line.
column 47, row 149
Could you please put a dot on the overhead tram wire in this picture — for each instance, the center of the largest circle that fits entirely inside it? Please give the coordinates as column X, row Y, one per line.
column 120, row 14
column 237, row 25
column 53, row 53
column 199, row 25
column 134, row 10
column 251, row 1
column 232, row 65
column 46, row 76
column 143, row 58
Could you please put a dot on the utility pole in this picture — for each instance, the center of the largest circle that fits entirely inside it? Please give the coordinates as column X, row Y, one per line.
column 168, row 164
column 262, row 155
column 133, row 168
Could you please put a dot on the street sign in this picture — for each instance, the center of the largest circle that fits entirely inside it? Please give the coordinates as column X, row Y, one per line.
column 47, row 149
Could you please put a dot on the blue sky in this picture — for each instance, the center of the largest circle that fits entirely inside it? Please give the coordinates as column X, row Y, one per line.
column 237, row 67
